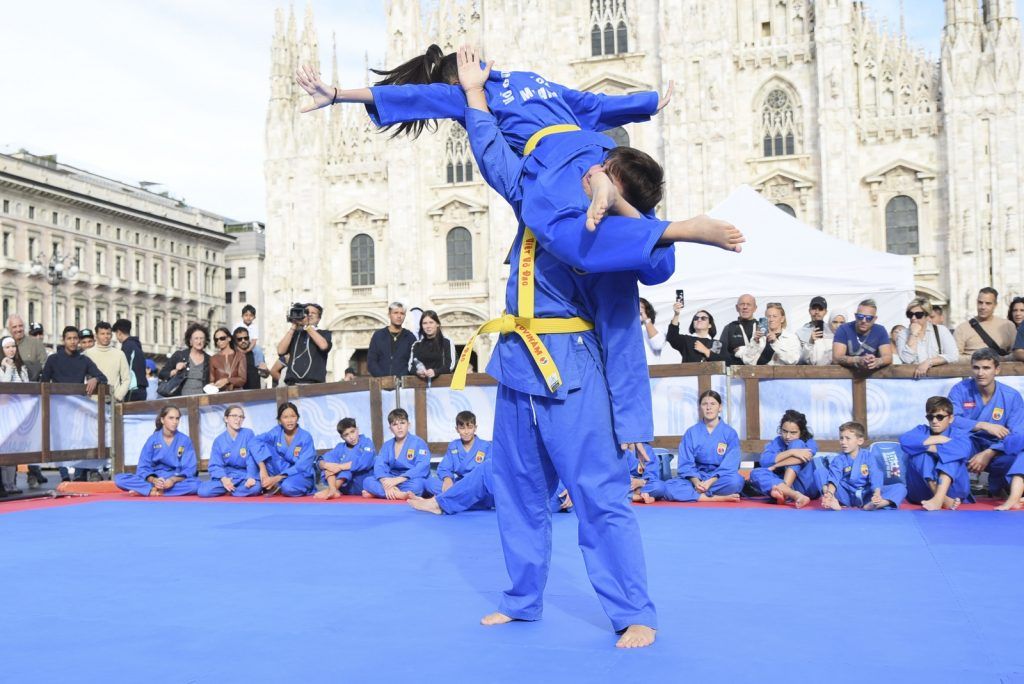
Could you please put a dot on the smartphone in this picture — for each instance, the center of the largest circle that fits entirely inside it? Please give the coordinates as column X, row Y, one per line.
column 762, row 324
column 819, row 325
column 680, row 297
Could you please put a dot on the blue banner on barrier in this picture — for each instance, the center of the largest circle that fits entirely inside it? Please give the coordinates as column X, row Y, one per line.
column 443, row 404
column 72, row 422
column 21, row 423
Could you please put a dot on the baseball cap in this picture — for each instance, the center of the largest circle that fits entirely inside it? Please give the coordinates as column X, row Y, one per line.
column 818, row 303
column 35, row 329
column 85, row 332
column 151, row 364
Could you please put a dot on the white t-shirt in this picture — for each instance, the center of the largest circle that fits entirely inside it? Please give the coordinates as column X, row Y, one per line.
column 254, row 331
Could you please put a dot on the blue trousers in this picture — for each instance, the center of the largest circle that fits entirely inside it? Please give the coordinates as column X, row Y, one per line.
column 212, row 488
column 373, row 485
column 472, row 492
column 130, row 482
column 537, row 441
column 298, row 485
column 674, row 489
column 925, row 468
column 352, row 483
column 895, row 493
column 808, row 481
column 434, row 484
column 998, row 472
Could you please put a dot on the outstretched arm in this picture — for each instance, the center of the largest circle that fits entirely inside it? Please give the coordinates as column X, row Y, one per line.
column 598, row 112
column 323, row 94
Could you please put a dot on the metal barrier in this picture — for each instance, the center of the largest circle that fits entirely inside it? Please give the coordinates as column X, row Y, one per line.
column 43, row 416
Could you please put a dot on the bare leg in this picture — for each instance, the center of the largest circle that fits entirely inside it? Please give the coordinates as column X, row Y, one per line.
column 636, row 636
column 730, row 498
column 603, row 194
column 1013, row 501
column 940, row 489
column 777, row 495
column 830, row 502
column 492, row 619
column 426, row 505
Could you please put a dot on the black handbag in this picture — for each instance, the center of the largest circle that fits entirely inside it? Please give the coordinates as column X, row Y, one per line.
column 171, row 387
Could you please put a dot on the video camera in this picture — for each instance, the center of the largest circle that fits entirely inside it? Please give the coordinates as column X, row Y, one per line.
column 297, row 313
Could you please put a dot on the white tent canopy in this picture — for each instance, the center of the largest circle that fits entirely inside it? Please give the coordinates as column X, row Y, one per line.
column 783, row 260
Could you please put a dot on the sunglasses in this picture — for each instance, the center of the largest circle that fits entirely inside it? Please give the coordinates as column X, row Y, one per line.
column 236, row 415
column 865, row 317
column 701, row 317
column 936, row 416
column 916, row 314
column 242, row 339
column 221, row 338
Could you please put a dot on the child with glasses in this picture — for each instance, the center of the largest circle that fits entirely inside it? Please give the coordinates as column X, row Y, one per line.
column 861, row 344
column 937, row 454
column 233, row 468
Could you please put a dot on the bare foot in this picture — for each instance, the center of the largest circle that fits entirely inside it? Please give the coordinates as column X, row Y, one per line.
column 636, row 636
column 831, row 503
column 427, row 505
column 1009, row 506
column 495, row 618
column 801, row 500
column 366, row 495
column 602, row 197
column 646, row 498
column 715, row 233
column 325, row 495
column 636, row 498
column 778, row 496
column 950, row 504
column 155, row 492
column 132, row 492
column 931, row 505
column 727, row 498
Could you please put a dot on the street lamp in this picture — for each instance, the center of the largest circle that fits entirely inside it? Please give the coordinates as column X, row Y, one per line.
column 55, row 269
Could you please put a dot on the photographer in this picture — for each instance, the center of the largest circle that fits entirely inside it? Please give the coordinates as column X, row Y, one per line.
column 306, row 346
column 815, row 342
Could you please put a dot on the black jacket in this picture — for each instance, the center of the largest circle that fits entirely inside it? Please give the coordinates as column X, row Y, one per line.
column 138, row 365
column 388, row 355
column 685, row 345
column 439, row 356
column 733, row 338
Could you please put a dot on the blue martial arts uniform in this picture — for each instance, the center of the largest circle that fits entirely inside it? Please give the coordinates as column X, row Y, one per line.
column 704, row 454
column 177, row 459
column 296, row 461
column 474, row 491
column 857, row 477
column 1005, row 408
column 458, row 461
column 538, row 435
column 361, row 456
column 924, row 466
column 412, row 462
column 650, row 473
column 236, row 459
column 808, row 479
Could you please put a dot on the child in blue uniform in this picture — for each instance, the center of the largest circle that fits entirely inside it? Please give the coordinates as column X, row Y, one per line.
column 167, row 463
column 1015, row 474
column 794, row 450
column 990, row 412
column 233, row 468
column 645, row 483
column 348, row 464
column 286, row 463
column 402, row 464
column 937, row 454
column 709, row 458
column 855, row 479
column 461, row 456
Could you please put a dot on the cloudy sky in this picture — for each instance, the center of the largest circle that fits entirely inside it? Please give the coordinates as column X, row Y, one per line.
column 175, row 91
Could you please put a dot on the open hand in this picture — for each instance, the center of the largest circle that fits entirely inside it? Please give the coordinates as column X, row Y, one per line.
column 666, row 98
column 471, row 75
column 309, row 80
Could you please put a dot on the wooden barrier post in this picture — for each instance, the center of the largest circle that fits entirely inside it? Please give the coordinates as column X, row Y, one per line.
column 44, row 413
column 117, row 427
column 376, row 412
column 101, row 421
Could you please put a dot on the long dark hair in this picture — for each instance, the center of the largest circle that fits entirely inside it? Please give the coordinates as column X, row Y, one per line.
column 231, row 337
column 712, row 328
column 439, row 336
column 798, row 419
column 434, row 66
column 18, row 363
column 163, row 414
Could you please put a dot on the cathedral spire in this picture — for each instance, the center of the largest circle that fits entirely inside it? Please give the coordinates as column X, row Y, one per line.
column 962, row 12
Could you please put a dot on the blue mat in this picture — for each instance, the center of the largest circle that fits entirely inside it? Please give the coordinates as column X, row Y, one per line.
column 207, row 592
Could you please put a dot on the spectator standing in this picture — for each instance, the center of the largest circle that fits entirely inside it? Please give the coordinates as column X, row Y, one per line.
column 700, row 345
column 654, row 340
column 227, row 366
column 131, row 347
column 307, row 348
column 432, row 354
column 69, row 365
column 812, row 334
column 350, row 374
column 30, row 347
column 923, row 344
column 391, row 346
column 86, row 339
column 862, row 344
column 774, row 347
column 1015, row 314
column 738, row 333
column 937, row 316
column 193, row 361
column 986, row 330
column 895, row 331
column 253, row 371
column 152, row 380
column 111, row 362
column 12, row 369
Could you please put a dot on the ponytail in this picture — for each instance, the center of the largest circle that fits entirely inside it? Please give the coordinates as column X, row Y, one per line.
column 434, row 66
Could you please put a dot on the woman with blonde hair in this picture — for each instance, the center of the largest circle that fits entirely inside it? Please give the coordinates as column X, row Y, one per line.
column 773, row 345
column 923, row 344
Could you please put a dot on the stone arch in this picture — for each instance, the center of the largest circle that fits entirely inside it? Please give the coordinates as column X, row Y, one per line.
column 778, row 111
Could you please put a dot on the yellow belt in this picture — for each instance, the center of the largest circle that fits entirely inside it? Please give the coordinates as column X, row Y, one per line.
column 525, row 325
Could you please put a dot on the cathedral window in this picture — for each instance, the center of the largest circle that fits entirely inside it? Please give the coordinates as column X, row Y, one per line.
column 901, row 229
column 362, row 260
column 619, row 135
column 786, row 208
column 460, row 254
column 609, row 27
column 778, row 124
column 458, row 158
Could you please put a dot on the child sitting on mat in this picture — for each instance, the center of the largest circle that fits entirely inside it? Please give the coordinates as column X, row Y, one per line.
column 855, row 478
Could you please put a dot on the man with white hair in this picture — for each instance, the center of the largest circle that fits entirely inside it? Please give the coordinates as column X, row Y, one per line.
column 32, row 351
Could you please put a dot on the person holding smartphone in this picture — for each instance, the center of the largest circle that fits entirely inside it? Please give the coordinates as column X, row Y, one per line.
column 815, row 342
column 700, row 345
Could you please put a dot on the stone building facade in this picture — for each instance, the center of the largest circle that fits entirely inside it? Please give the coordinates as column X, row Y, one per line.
column 836, row 119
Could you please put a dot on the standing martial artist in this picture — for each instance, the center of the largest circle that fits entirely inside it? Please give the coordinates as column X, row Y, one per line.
column 287, row 460
column 402, row 464
column 990, row 412
column 461, row 456
column 709, row 458
column 232, row 467
column 348, row 463
column 167, row 463
column 936, row 456
column 794, row 450
column 855, row 478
